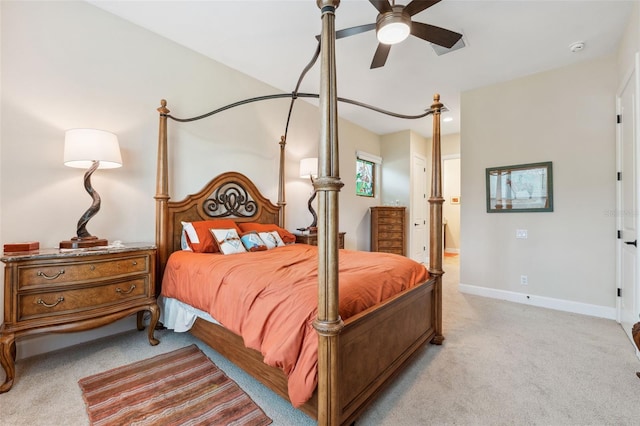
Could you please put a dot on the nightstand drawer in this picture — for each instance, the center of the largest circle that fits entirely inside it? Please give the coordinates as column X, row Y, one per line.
column 66, row 273
column 312, row 239
column 79, row 299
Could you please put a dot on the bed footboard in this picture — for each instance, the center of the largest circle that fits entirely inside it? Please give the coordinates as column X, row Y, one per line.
column 374, row 346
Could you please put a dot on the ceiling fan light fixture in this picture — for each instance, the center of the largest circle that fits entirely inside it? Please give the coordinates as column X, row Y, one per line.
column 393, row 27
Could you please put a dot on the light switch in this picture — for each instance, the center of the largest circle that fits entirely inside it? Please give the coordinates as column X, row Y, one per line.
column 521, row 234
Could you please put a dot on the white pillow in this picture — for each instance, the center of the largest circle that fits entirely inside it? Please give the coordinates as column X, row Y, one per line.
column 271, row 239
column 188, row 229
column 228, row 241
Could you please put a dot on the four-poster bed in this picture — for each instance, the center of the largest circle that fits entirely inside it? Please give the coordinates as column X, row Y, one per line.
column 358, row 355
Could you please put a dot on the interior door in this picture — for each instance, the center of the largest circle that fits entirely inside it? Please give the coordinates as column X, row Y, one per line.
column 627, row 251
column 418, row 217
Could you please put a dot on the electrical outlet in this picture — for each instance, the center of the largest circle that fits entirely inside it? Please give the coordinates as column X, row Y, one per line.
column 521, row 234
column 524, row 280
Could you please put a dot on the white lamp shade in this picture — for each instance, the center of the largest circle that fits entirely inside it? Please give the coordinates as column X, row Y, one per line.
column 84, row 146
column 308, row 167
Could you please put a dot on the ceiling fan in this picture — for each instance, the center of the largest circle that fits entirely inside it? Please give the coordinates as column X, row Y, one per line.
column 394, row 24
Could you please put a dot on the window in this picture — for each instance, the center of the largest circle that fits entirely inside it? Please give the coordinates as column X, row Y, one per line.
column 366, row 173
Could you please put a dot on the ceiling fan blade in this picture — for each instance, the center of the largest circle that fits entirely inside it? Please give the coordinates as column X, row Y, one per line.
column 380, row 57
column 433, row 34
column 382, row 5
column 417, row 6
column 354, row 30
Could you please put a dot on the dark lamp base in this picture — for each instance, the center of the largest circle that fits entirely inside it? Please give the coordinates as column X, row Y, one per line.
column 85, row 242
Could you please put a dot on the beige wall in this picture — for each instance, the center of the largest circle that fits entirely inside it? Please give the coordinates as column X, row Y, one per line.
column 395, row 149
column 70, row 64
column 630, row 44
column 450, row 144
column 398, row 176
column 566, row 116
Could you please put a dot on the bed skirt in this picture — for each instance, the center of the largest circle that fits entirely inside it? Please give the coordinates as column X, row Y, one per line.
column 178, row 316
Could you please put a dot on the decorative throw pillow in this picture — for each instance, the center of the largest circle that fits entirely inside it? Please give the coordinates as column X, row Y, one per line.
column 198, row 237
column 228, row 241
column 285, row 235
column 184, row 244
column 252, row 241
column 271, row 239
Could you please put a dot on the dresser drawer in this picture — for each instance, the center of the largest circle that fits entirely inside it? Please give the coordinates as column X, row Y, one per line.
column 390, row 213
column 72, row 272
column 391, row 250
column 386, row 244
column 80, row 299
column 388, row 231
column 390, row 242
column 396, row 222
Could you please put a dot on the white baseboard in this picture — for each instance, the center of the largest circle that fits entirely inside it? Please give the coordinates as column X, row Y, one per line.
column 541, row 301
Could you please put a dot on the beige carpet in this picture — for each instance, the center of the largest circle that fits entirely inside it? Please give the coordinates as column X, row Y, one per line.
column 501, row 364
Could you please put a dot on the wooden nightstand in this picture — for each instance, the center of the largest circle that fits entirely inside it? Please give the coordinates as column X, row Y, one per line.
column 312, row 239
column 58, row 291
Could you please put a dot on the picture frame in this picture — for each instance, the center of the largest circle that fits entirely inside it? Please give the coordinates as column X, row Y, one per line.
column 520, row 188
column 365, row 178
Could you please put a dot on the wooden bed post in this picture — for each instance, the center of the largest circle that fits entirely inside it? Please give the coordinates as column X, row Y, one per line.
column 281, row 197
column 328, row 324
column 162, row 196
column 435, row 219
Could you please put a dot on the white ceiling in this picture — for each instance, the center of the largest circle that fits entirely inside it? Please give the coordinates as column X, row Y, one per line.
column 273, row 40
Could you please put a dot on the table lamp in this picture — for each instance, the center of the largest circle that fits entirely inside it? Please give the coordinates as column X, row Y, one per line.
column 309, row 170
column 89, row 149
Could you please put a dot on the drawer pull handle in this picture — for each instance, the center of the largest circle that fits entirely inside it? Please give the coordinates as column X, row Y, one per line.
column 50, row 277
column 134, row 263
column 50, row 305
column 121, row 291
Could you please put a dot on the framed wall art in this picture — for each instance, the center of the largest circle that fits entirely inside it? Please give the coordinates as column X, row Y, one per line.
column 520, row 188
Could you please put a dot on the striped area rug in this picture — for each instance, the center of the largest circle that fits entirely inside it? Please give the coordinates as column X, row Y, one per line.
column 183, row 387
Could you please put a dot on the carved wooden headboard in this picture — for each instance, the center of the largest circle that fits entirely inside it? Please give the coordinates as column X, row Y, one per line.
column 230, row 195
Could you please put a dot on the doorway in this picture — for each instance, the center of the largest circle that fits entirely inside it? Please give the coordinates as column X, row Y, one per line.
column 627, row 252
column 451, row 205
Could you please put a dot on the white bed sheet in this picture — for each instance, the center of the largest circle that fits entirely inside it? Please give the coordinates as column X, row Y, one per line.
column 178, row 316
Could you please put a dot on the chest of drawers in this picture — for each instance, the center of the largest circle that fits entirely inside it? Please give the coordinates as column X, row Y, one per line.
column 62, row 291
column 388, row 229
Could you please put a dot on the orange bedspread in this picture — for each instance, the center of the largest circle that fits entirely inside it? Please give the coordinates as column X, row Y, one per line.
column 270, row 298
